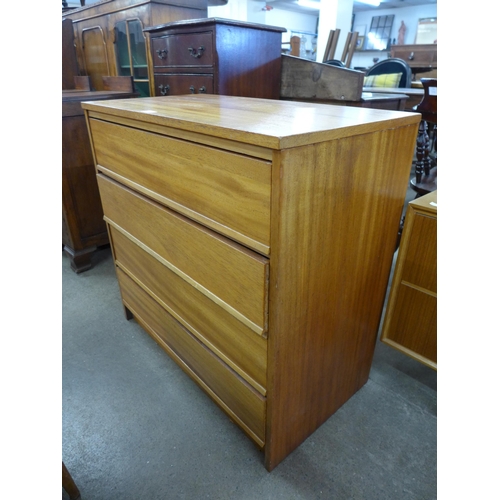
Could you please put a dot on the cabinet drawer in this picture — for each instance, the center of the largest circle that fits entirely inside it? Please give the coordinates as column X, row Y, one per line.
column 183, row 84
column 420, row 264
column 225, row 191
column 243, row 350
column 190, row 49
column 237, row 398
column 231, row 275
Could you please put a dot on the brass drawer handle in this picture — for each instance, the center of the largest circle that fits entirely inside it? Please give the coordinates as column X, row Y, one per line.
column 164, row 89
column 196, row 53
column 191, row 89
column 162, row 53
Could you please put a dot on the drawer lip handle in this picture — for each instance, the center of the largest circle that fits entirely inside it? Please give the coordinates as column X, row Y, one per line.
column 196, row 53
column 164, row 89
column 162, row 53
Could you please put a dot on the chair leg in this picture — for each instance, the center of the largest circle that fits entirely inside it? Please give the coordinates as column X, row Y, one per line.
column 422, row 151
column 69, row 485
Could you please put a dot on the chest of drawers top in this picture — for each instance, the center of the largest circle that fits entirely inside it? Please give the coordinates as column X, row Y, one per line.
column 258, row 122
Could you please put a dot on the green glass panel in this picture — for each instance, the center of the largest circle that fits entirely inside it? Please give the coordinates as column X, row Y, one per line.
column 122, row 54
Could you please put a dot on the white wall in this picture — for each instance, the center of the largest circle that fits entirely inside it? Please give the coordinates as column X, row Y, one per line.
column 410, row 16
column 252, row 11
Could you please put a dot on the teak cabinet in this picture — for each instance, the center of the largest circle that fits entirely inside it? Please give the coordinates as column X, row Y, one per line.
column 215, row 56
column 253, row 239
column 410, row 323
column 109, row 38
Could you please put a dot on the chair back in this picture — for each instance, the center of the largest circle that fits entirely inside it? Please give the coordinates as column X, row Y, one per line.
column 331, row 45
column 392, row 66
column 428, row 105
column 335, row 62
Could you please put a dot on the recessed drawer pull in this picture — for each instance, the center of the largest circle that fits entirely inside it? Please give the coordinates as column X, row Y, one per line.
column 164, row 89
column 162, row 53
column 196, row 53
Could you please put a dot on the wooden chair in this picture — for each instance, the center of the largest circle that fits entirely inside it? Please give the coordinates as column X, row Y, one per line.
column 331, row 45
column 82, row 83
column 390, row 66
column 349, row 48
column 121, row 83
column 69, row 485
column 425, row 179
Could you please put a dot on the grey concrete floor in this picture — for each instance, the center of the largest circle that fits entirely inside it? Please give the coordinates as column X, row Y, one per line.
column 136, row 427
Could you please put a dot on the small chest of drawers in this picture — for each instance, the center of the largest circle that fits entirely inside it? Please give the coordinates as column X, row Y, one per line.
column 410, row 323
column 253, row 239
column 215, row 56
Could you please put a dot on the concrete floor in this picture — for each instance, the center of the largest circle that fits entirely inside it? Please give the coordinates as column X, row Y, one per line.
column 135, row 427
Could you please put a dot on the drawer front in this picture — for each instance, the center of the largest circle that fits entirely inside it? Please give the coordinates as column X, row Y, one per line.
column 238, row 399
column 420, row 263
column 226, row 191
column 183, row 84
column 416, row 57
column 228, row 338
column 190, row 49
column 231, row 275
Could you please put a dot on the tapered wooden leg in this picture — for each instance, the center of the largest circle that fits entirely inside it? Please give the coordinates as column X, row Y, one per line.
column 69, row 485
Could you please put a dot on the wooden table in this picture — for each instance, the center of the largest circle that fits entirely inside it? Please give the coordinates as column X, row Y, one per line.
column 415, row 95
column 253, row 240
column 83, row 228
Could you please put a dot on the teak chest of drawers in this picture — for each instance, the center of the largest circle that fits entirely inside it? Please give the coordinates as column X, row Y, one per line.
column 215, row 56
column 410, row 323
column 253, row 239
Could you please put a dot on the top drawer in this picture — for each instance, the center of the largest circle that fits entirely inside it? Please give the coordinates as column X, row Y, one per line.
column 228, row 192
column 190, row 49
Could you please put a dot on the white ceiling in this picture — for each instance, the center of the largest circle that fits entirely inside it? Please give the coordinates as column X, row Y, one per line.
column 357, row 6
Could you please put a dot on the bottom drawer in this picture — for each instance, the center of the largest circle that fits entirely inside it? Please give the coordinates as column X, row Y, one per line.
column 183, row 84
column 242, row 403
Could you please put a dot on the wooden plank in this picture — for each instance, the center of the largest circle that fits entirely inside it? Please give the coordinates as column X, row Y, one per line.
column 219, row 188
column 239, row 347
column 229, row 391
column 301, row 78
column 229, row 274
column 327, row 293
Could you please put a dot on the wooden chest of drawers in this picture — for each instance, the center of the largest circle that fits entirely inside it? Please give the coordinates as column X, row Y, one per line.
column 215, row 56
column 253, row 239
column 410, row 323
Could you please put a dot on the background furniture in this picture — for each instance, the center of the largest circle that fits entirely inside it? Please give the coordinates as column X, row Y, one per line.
column 425, row 179
column 309, row 81
column 69, row 62
column 414, row 94
column 392, row 66
column 109, row 38
column 215, row 56
column 349, row 48
column 253, row 240
column 83, row 228
column 331, row 45
column 422, row 58
column 410, row 323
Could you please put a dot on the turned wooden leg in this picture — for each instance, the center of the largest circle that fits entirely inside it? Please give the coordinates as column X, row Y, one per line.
column 69, row 485
column 422, row 151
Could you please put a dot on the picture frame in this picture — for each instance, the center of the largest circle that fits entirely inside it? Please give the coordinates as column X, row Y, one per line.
column 360, row 42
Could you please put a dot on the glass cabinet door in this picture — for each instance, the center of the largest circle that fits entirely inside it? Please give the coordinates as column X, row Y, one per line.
column 130, row 52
